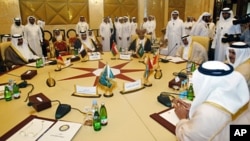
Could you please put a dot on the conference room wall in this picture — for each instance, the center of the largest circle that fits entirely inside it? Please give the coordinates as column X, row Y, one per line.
column 11, row 9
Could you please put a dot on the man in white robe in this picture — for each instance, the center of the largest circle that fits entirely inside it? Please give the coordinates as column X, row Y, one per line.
column 200, row 28
column 221, row 99
column 224, row 26
column 192, row 51
column 82, row 25
column 174, row 31
column 105, row 33
column 34, row 36
column 126, row 34
column 17, row 27
column 119, row 33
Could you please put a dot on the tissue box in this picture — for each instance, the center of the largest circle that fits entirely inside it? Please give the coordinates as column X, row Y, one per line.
column 175, row 85
column 39, row 102
column 28, row 74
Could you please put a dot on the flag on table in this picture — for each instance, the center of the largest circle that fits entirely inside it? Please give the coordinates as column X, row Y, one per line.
column 140, row 51
column 114, row 49
column 59, row 57
column 105, row 77
column 149, row 67
column 156, row 58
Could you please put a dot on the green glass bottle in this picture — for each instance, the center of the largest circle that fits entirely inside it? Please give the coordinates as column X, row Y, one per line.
column 193, row 67
column 97, row 121
column 7, row 94
column 16, row 92
column 103, row 115
column 190, row 94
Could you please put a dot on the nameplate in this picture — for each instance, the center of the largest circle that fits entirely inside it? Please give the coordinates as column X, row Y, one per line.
column 85, row 90
column 94, row 56
column 125, row 56
column 132, row 85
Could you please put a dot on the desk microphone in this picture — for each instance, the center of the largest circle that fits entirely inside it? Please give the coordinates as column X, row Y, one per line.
column 166, row 60
column 61, row 110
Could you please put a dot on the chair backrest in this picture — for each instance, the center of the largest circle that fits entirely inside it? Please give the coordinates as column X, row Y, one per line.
column 204, row 41
column 3, row 47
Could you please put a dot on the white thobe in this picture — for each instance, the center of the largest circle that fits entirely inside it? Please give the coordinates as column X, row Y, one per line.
column 105, row 33
column 16, row 29
column 222, row 28
column 33, row 36
column 174, row 31
column 126, row 32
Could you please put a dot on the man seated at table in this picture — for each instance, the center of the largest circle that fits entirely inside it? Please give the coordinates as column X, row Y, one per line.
column 141, row 40
column 84, row 43
column 238, row 55
column 94, row 40
column 59, row 43
column 191, row 50
column 18, row 53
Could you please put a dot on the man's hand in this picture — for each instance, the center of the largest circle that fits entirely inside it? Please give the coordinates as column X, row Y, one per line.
column 181, row 108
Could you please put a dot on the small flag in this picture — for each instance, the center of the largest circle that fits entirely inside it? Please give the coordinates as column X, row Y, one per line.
column 59, row 57
column 105, row 77
column 114, row 49
column 149, row 63
column 156, row 57
column 140, row 51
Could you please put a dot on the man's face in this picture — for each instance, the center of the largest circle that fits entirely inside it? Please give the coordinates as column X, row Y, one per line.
column 175, row 16
column 185, row 41
column 18, row 23
column 141, row 34
column 232, row 56
column 20, row 41
column 206, row 19
column 31, row 20
column 84, row 36
column 90, row 33
column 82, row 19
column 225, row 15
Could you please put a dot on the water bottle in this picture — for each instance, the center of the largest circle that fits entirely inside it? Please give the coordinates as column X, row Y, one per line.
column 16, row 92
column 103, row 115
column 97, row 121
column 7, row 94
column 190, row 94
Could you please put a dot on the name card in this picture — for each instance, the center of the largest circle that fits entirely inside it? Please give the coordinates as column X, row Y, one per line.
column 85, row 90
column 132, row 85
column 94, row 55
column 125, row 56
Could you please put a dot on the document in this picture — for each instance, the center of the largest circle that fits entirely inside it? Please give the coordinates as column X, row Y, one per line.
column 170, row 116
column 32, row 130
column 61, row 131
column 175, row 59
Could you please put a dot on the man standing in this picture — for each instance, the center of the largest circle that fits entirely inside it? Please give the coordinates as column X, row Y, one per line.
column 82, row 25
column 126, row 33
column 224, row 27
column 174, row 31
column 105, row 33
column 192, row 51
column 201, row 28
column 33, row 36
column 17, row 27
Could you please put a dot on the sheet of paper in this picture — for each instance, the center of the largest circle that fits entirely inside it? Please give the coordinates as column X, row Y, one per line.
column 2, row 91
column 174, row 59
column 170, row 116
column 32, row 130
column 61, row 131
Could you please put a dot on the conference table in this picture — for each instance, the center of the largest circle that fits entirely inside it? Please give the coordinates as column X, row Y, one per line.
column 128, row 114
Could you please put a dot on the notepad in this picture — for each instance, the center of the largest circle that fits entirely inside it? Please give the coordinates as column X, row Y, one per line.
column 170, row 116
